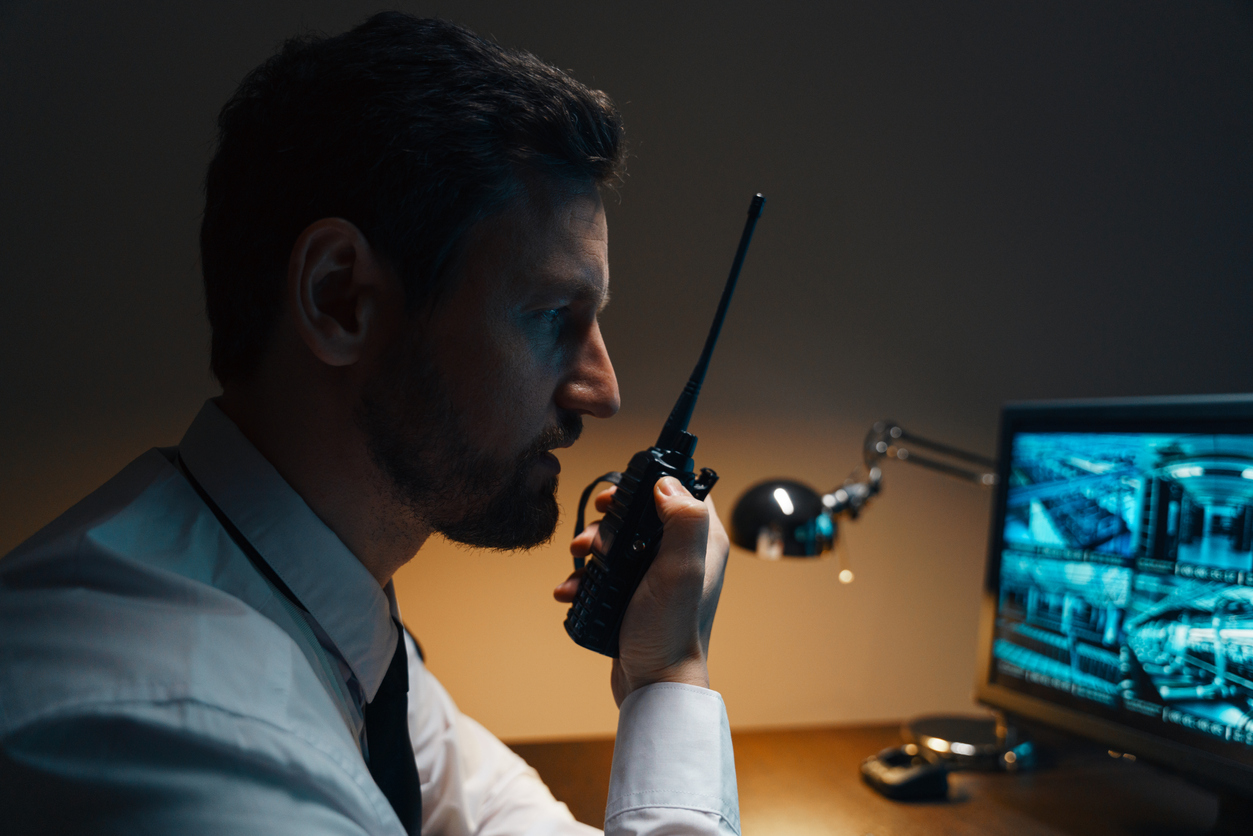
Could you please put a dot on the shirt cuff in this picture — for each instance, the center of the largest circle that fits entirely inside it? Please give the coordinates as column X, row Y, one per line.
column 674, row 750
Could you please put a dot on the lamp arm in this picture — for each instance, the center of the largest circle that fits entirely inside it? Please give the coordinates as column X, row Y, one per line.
column 947, row 449
column 888, row 440
column 979, row 477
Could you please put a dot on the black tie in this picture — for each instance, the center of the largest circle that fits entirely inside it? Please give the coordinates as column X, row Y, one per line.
column 387, row 736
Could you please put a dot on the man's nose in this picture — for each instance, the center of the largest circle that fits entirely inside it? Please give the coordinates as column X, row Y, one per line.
column 591, row 388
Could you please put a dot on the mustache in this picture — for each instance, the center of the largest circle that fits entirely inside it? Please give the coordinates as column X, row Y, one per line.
column 569, row 428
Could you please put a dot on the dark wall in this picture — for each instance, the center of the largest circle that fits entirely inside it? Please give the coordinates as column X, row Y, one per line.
column 968, row 203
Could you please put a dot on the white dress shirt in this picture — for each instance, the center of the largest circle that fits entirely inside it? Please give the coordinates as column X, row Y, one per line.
column 152, row 680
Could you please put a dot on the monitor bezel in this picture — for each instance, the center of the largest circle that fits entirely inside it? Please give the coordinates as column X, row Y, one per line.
column 1206, row 413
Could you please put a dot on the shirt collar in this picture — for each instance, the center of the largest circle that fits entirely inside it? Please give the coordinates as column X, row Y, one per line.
column 341, row 596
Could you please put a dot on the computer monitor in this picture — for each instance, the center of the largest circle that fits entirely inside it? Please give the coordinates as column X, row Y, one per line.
column 1118, row 601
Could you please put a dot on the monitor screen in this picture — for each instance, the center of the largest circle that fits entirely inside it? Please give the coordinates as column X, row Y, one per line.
column 1121, row 575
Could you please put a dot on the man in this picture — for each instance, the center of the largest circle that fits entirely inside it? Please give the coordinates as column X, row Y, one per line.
column 405, row 253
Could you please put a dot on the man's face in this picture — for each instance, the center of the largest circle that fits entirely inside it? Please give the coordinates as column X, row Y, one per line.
column 470, row 402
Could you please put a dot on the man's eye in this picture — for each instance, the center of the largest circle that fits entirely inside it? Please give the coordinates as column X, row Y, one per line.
column 555, row 318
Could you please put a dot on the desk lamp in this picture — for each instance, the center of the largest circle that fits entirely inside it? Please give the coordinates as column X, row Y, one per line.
column 780, row 518
column 785, row 518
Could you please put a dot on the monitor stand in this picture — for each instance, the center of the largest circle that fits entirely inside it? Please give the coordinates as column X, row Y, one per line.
column 1235, row 815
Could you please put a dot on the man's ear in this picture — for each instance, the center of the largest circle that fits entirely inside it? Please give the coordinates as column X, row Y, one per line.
column 339, row 292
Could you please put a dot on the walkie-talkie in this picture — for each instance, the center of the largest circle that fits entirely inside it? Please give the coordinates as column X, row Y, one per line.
column 630, row 532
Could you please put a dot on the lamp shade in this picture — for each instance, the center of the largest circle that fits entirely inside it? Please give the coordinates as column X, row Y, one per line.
column 782, row 518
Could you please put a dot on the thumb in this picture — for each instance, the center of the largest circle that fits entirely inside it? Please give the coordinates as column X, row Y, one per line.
column 685, row 518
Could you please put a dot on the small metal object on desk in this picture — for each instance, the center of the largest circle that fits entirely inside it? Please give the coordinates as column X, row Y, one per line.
column 984, row 743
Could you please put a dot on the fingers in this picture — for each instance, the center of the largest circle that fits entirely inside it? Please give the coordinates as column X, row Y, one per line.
column 604, row 498
column 581, row 546
column 567, row 589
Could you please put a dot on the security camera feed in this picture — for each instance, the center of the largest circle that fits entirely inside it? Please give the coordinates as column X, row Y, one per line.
column 1126, row 577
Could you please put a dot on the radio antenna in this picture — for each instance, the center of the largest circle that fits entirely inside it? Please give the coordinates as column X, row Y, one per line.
column 672, row 434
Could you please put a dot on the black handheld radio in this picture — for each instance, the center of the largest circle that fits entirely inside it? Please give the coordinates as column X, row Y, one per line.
column 630, row 532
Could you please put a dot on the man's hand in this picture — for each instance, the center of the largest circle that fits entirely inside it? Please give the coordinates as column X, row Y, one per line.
column 665, row 632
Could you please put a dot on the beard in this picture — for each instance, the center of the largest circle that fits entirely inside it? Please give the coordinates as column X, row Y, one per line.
column 418, row 438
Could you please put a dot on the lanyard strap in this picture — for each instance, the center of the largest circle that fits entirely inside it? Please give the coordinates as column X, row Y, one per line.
column 250, row 551
column 391, row 761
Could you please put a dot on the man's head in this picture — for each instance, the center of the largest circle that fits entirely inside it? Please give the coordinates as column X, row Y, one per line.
column 469, row 173
column 500, row 375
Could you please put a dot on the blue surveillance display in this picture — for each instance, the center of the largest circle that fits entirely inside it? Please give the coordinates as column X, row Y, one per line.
column 1126, row 577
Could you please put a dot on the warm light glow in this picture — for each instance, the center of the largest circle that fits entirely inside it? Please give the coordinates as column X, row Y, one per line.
column 935, row 744
column 785, row 501
column 846, row 576
column 782, row 587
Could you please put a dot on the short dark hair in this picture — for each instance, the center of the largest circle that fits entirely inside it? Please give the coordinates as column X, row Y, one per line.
column 414, row 130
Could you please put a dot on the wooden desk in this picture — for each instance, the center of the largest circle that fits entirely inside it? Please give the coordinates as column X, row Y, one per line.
column 806, row 783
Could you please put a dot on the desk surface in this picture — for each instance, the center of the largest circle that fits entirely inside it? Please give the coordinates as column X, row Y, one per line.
column 806, row 782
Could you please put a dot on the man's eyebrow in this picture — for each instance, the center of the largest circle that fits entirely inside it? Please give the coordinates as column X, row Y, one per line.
column 577, row 288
